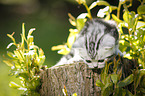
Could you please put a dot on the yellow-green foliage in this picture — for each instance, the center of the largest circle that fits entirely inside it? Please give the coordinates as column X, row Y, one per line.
column 25, row 62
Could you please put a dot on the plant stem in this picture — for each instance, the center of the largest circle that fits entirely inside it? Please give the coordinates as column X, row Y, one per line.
column 88, row 10
column 23, row 35
column 118, row 9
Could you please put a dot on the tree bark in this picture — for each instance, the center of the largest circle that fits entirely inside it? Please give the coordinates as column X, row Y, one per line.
column 77, row 78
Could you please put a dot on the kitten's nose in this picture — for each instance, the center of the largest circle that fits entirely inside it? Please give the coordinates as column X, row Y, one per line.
column 93, row 65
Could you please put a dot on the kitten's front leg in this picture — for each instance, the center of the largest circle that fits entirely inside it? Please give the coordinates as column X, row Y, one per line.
column 76, row 57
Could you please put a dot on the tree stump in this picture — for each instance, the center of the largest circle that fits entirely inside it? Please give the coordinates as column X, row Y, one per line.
column 77, row 78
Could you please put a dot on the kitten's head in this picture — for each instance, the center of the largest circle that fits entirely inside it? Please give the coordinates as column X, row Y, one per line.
column 100, row 43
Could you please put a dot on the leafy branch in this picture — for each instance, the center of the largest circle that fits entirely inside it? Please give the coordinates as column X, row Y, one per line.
column 112, row 83
column 26, row 63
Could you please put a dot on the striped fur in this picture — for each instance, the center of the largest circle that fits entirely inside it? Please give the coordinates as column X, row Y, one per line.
column 96, row 43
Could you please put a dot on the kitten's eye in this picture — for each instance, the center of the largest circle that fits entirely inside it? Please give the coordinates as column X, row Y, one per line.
column 88, row 61
column 108, row 48
column 101, row 60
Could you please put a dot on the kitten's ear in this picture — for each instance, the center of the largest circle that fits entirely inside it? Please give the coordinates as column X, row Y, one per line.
column 114, row 33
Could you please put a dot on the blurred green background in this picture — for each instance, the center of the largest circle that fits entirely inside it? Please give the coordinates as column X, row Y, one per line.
column 50, row 19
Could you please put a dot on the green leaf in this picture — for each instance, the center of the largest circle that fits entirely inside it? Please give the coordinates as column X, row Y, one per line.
column 103, row 12
column 125, row 16
column 19, row 55
column 142, row 90
column 144, row 38
column 121, row 25
column 72, row 19
column 140, row 24
column 113, row 7
column 75, row 94
column 10, row 54
column 119, row 74
column 93, row 5
column 119, row 92
column 63, row 49
column 25, row 75
column 10, row 45
column 141, row 9
column 81, row 1
column 12, row 38
column 137, row 77
column 124, row 42
column 24, row 89
column 31, row 31
column 41, row 57
column 30, row 39
column 114, row 78
column 98, row 3
column 72, row 22
column 8, row 63
column 81, row 19
column 23, row 35
column 116, row 18
column 71, row 38
column 107, row 17
column 126, row 81
column 14, row 85
column 142, row 76
column 128, row 93
column 130, row 18
column 107, row 89
column 80, row 24
column 99, row 83
column 106, row 81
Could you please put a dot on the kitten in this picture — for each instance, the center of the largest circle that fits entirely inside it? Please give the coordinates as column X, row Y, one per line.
column 97, row 42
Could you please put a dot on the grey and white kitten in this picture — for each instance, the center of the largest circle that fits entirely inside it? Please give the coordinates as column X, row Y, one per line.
column 96, row 43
